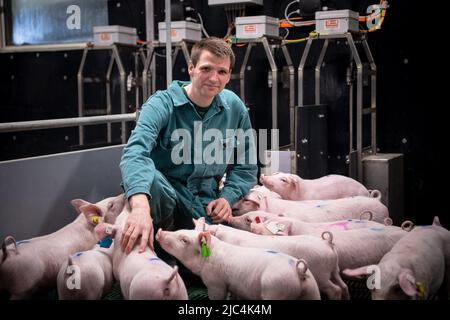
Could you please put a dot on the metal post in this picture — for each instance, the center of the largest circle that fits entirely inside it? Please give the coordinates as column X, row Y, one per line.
column 80, row 80
column 108, row 95
column 318, row 69
column 2, row 25
column 122, row 77
column 274, row 69
column 242, row 71
column 359, row 96
column 373, row 101
column 168, row 44
column 301, row 70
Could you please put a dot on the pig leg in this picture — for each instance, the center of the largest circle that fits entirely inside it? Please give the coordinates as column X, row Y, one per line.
column 332, row 291
column 336, row 279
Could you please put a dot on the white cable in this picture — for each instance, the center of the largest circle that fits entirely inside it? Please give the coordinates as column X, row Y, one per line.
column 287, row 7
column 203, row 27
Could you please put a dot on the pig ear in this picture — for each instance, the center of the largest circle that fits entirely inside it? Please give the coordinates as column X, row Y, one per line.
column 286, row 230
column 358, row 273
column 5, row 249
column 199, row 224
column 78, row 203
column 436, row 222
column 407, row 282
column 92, row 212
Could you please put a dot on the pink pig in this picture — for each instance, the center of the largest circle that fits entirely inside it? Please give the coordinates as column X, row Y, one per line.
column 292, row 187
column 289, row 227
column 314, row 210
column 414, row 268
column 94, row 271
column 29, row 265
column 320, row 254
column 361, row 247
column 142, row 276
column 245, row 273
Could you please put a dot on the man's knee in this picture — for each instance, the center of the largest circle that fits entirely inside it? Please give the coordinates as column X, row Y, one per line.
column 164, row 201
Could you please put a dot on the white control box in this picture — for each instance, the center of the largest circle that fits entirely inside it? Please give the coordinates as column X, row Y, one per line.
column 337, row 21
column 256, row 27
column 180, row 30
column 107, row 35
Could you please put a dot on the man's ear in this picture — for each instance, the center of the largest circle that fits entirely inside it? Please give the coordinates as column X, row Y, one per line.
column 190, row 67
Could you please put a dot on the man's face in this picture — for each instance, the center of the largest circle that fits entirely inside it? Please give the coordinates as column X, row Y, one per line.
column 210, row 75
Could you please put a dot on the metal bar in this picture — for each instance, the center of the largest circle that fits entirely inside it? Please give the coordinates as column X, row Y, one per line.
column 2, row 25
column 174, row 55
column 137, row 82
column 44, row 47
column 242, row 71
column 168, row 45
column 301, row 70
column 274, row 69
column 185, row 50
column 122, row 77
column 150, row 20
column 63, row 123
column 108, row 94
column 373, row 103
column 146, row 76
column 359, row 101
column 292, row 134
column 318, row 69
column 81, row 95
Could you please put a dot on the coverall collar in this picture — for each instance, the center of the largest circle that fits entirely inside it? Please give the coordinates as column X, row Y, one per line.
column 180, row 99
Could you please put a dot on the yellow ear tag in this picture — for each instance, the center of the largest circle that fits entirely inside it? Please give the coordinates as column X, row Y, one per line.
column 421, row 290
column 95, row 219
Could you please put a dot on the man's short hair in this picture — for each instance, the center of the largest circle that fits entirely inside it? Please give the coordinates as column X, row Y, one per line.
column 216, row 46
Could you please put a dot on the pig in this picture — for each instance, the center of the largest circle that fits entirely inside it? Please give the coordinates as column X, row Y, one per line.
column 29, row 265
column 361, row 247
column 414, row 268
column 321, row 256
column 314, row 210
column 292, row 187
column 258, row 221
column 142, row 276
column 288, row 227
column 245, row 273
column 94, row 271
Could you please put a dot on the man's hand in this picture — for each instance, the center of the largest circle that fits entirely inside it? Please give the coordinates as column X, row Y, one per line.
column 219, row 210
column 138, row 224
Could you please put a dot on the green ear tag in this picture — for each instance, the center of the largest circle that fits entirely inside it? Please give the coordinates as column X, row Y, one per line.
column 206, row 252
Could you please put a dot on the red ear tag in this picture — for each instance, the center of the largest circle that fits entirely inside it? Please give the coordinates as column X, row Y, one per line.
column 257, row 219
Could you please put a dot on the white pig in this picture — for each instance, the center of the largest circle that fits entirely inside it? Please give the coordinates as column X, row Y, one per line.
column 292, row 187
column 245, row 273
column 142, row 276
column 361, row 247
column 283, row 226
column 415, row 266
column 320, row 254
column 86, row 275
column 314, row 210
column 29, row 265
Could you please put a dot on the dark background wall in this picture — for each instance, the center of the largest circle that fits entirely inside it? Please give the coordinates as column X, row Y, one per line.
column 409, row 119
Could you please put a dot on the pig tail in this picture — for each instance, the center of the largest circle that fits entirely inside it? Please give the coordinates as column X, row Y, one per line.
column 407, row 225
column 388, row 221
column 364, row 212
column 328, row 236
column 375, row 194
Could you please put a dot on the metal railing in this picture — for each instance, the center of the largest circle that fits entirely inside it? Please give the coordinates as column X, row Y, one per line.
column 65, row 122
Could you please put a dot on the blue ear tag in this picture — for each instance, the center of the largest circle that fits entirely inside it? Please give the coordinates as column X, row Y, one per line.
column 105, row 242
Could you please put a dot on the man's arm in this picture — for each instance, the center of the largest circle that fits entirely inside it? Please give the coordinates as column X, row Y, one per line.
column 242, row 177
column 138, row 172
